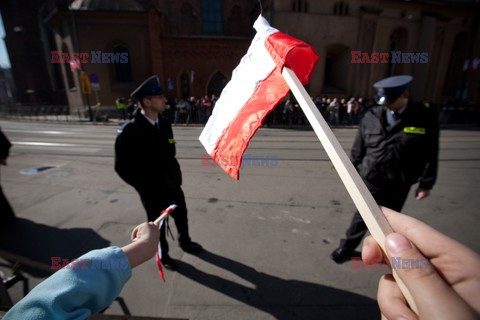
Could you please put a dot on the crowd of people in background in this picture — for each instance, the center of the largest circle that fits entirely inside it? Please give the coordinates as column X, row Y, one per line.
column 197, row 110
column 190, row 110
column 336, row 111
column 342, row 111
column 183, row 110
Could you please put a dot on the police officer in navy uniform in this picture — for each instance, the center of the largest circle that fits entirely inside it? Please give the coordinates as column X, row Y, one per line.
column 396, row 147
column 145, row 159
column 7, row 216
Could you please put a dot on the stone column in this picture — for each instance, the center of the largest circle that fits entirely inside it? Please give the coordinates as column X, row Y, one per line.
column 425, row 44
column 365, row 42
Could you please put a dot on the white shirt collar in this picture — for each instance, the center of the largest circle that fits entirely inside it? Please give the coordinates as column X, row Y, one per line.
column 152, row 122
column 390, row 119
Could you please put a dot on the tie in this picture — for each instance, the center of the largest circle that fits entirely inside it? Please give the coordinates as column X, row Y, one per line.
column 396, row 116
column 391, row 119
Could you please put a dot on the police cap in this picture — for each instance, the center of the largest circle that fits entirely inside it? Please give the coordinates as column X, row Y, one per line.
column 389, row 89
column 150, row 87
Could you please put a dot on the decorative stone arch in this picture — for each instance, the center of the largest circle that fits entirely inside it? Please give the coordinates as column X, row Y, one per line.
column 337, row 68
column 397, row 42
column 184, row 85
column 300, row 6
column 121, row 72
column 341, row 8
column 216, row 83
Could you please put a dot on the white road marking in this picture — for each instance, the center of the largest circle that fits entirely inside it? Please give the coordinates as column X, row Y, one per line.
column 45, row 144
column 42, row 131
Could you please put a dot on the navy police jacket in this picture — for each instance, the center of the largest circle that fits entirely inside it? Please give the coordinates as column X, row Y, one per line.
column 145, row 155
column 405, row 154
column 4, row 146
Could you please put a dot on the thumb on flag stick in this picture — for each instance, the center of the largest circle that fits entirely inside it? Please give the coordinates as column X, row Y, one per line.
column 361, row 196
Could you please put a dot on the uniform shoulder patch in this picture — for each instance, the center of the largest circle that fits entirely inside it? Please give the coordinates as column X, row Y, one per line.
column 414, row 130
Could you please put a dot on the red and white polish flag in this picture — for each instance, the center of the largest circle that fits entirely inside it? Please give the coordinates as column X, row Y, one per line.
column 256, row 87
column 158, row 257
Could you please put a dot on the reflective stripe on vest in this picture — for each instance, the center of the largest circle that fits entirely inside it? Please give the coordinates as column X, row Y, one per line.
column 414, row 130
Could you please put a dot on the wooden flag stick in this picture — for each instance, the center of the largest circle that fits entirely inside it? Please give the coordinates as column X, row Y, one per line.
column 361, row 196
column 162, row 217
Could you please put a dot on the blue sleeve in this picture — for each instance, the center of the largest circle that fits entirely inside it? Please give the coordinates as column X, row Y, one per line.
column 79, row 291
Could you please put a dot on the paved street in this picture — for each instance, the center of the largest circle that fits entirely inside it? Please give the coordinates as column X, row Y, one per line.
column 267, row 237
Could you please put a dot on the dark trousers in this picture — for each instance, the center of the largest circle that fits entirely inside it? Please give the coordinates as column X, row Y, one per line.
column 393, row 198
column 122, row 114
column 6, row 212
column 156, row 201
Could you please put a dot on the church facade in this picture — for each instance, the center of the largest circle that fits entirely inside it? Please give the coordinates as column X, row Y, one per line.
column 193, row 45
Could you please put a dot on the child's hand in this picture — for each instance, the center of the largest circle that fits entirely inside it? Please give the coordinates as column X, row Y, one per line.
column 144, row 244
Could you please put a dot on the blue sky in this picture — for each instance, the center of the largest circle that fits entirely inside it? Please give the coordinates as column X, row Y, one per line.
column 4, row 61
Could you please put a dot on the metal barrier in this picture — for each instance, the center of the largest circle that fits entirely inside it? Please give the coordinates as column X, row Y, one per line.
column 36, row 112
column 449, row 114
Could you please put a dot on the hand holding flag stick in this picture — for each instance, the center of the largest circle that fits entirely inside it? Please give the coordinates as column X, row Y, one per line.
column 361, row 196
column 270, row 69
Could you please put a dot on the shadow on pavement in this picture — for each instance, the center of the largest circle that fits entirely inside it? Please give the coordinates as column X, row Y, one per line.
column 283, row 299
column 33, row 244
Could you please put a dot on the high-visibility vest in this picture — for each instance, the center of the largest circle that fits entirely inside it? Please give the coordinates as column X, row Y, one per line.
column 120, row 105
